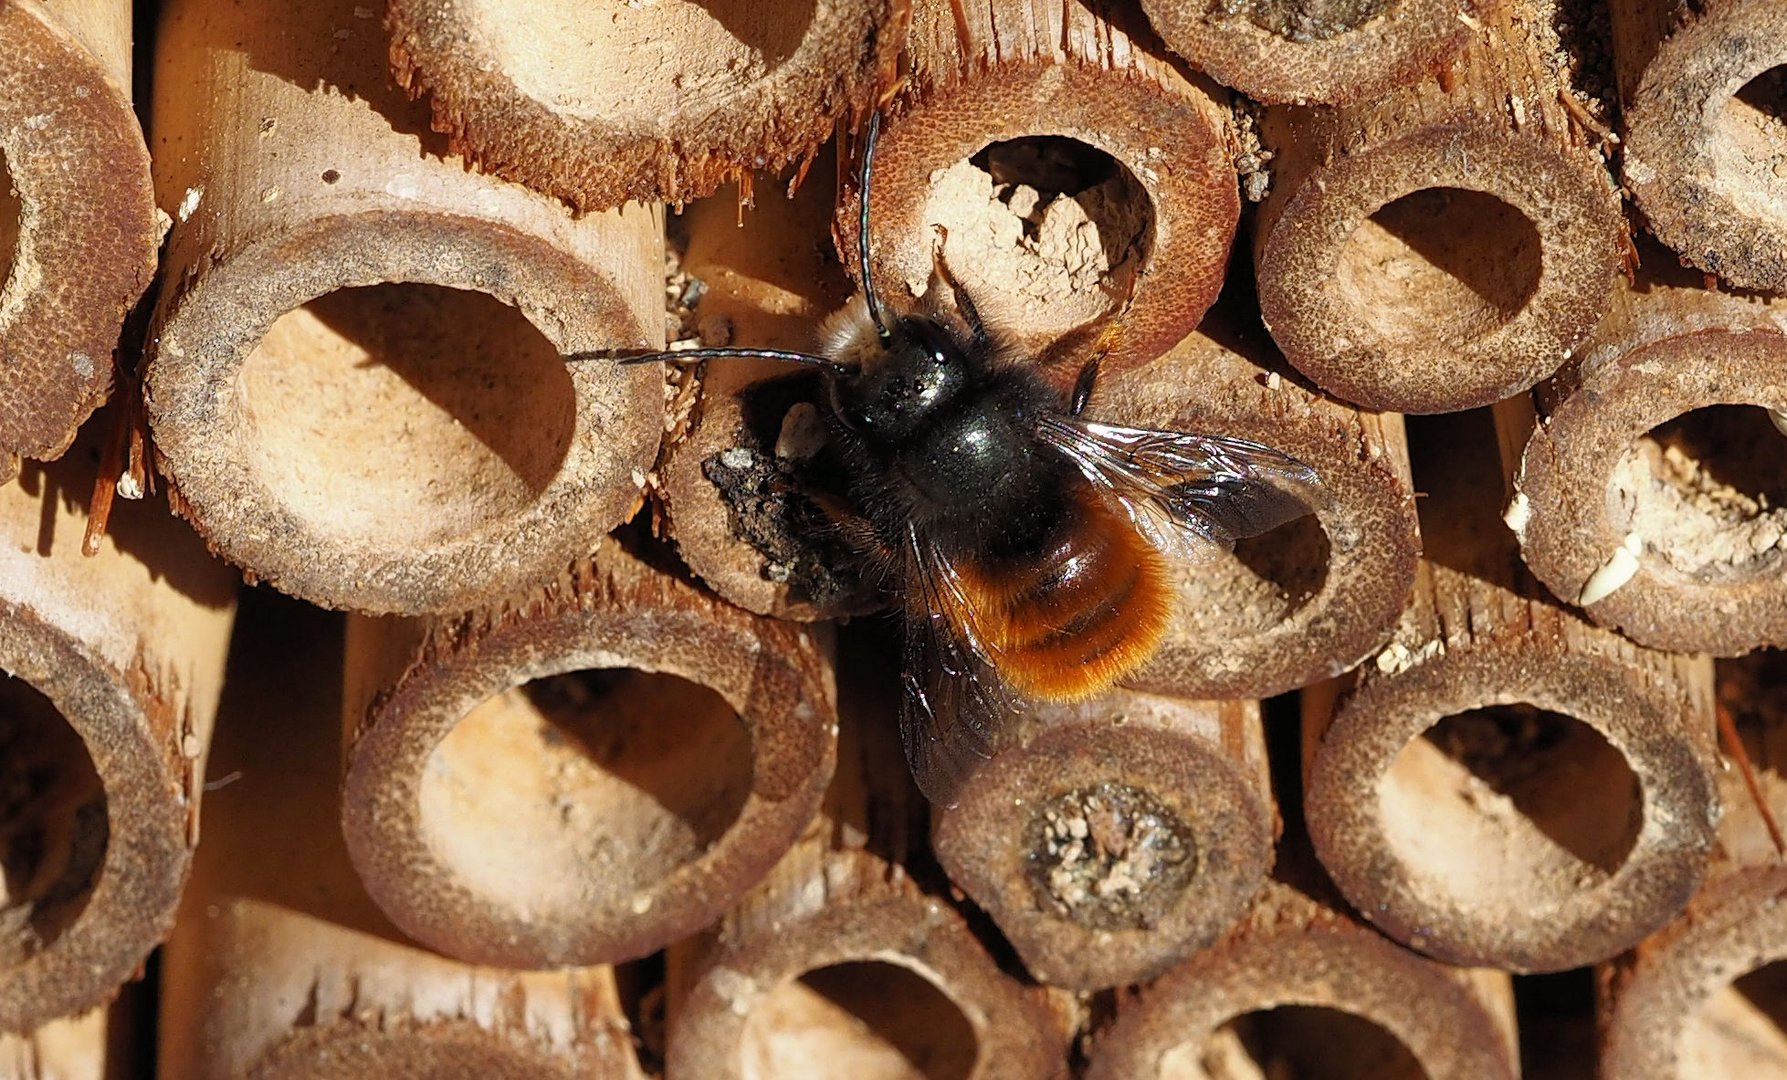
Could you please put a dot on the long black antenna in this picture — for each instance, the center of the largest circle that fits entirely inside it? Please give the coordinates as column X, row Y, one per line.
column 718, row 353
column 862, row 226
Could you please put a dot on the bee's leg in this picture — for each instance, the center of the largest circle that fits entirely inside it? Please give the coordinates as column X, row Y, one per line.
column 965, row 304
column 855, row 530
column 1082, row 387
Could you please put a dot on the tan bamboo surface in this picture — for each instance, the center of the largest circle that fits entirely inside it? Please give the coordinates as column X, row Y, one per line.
column 1704, row 88
column 282, row 967
column 112, row 674
column 1651, row 489
column 1289, row 51
column 1299, row 988
column 78, row 228
column 354, row 376
column 1506, row 784
column 1446, row 245
column 839, row 962
column 1067, row 96
column 1116, row 835
column 603, row 103
column 1703, row 996
column 72, row 1048
column 765, row 277
column 1310, row 598
column 585, row 774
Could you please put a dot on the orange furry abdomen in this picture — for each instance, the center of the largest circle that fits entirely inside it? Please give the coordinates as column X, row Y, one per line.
column 1068, row 624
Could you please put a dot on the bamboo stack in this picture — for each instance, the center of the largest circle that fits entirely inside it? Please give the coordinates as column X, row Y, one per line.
column 571, row 789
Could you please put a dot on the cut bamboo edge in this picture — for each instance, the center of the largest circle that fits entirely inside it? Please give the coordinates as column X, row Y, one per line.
column 1043, row 118
column 1299, row 982
column 1117, row 835
column 1286, row 53
column 1446, row 779
column 1649, row 490
column 1701, row 996
column 399, row 432
column 585, row 774
column 280, row 966
column 78, row 225
column 1705, row 123
column 1447, row 245
column 839, row 962
column 603, row 103
column 113, row 669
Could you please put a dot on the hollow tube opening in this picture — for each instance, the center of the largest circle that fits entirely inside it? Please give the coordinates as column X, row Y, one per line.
column 406, row 414
column 54, row 823
column 1485, row 810
column 1748, row 140
column 1310, row 1042
column 868, row 1020
column 1741, row 1030
column 1440, row 265
column 585, row 790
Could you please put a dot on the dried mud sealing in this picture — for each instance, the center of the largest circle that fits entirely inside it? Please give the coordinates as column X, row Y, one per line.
column 78, row 229
column 1705, row 91
column 603, row 103
column 1084, row 184
column 1306, row 52
column 1105, row 859
column 1449, row 244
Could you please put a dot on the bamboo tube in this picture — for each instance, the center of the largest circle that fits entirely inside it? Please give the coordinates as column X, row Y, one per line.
column 398, row 432
column 838, row 963
column 1011, row 103
column 78, row 229
column 1650, row 489
column 1445, row 246
column 112, row 674
column 601, row 103
column 590, row 772
column 1541, row 790
column 1116, row 835
column 1300, row 989
column 1704, row 87
column 766, row 280
column 1284, row 51
column 1309, row 599
column 72, row 1048
column 1702, row 997
column 281, row 967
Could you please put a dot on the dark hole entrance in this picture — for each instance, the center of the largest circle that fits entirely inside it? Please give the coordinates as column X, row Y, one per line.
column 865, row 1020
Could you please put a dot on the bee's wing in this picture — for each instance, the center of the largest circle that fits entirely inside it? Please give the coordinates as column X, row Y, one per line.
column 954, row 704
column 1191, row 496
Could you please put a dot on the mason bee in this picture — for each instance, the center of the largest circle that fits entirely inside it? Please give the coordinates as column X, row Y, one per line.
column 1028, row 544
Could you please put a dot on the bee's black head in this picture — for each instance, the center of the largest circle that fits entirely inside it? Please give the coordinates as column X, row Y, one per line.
column 918, row 372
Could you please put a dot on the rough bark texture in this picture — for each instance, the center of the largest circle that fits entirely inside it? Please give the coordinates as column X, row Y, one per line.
column 1508, row 784
column 113, row 669
column 355, row 381
column 1338, row 52
column 1410, row 1018
column 603, row 103
column 1310, row 599
column 504, row 808
column 78, row 228
column 1704, row 85
column 1651, row 457
column 297, row 976
column 1116, row 836
column 1131, row 261
column 1700, row 996
column 1447, row 245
